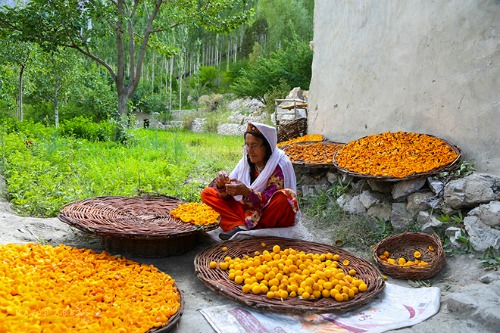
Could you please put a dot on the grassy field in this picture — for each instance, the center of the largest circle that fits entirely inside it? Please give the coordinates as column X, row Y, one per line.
column 45, row 170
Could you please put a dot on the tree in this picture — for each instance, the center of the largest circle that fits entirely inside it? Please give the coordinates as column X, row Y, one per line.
column 290, row 66
column 131, row 25
column 19, row 55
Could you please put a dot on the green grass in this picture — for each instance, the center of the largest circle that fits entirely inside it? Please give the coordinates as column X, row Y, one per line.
column 56, row 170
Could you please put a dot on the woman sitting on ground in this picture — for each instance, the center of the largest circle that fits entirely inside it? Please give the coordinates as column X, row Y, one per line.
column 261, row 190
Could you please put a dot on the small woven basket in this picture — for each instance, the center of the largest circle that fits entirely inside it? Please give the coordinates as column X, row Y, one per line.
column 291, row 129
column 140, row 226
column 218, row 281
column 404, row 246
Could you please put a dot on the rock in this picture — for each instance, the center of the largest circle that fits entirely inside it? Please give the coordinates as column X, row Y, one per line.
column 351, row 204
column 428, row 221
column 481, row 235
column 311, row 190
column 489, row 213
column 419, row 200
column 406, row 187
column 469, row 191
column 231, row 129
column 368, row 198
column 331, row 177
column 380, row 186
column 490, row 277
column 198, row 124
column 435, row 185
column 470, row 301
column 454, row 233
column 400, row 216
column 380, row 210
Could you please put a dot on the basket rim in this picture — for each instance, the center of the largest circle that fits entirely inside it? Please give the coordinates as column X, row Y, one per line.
column 218, row 281
column 172, row 321
column 432, row 172
column 411, row 272
column 184, row 228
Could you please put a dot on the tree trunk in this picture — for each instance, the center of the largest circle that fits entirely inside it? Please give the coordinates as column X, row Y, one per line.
column 56, row 104
column 21, row 73
column 122, row 103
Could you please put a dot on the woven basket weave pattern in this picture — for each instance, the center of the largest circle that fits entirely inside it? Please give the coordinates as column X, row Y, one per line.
column 218, row 281
column 139, row 226
column 404, row 245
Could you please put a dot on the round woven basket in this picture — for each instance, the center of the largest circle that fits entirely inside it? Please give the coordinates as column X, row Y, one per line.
column 140, row 225
column 329, row 149
column 404, row 246
column 447, row 167
column 218, row 281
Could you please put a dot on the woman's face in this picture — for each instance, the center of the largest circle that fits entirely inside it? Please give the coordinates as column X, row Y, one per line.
column 255, row 149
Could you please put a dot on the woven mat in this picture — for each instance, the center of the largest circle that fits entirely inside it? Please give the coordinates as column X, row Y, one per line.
column 142, row 217
column 218, row 281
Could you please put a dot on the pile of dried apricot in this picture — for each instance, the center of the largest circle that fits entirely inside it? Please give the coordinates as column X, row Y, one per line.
column 287, row 273
column 312, row 153
column 405, row 262
column 195, row 213
column 65, row 289
column 304, row 138
column 395, row 154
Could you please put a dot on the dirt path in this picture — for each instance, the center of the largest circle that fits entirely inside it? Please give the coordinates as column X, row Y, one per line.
column 470, row 296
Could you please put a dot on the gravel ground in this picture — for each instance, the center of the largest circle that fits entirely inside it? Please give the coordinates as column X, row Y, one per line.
column 470, row 295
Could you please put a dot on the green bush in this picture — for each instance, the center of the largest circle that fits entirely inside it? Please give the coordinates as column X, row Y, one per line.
column 85, row 128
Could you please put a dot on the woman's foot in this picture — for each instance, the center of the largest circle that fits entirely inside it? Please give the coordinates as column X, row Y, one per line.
column 230, row 233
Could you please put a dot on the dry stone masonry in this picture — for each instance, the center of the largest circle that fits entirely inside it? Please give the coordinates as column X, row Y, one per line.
column 473, row 200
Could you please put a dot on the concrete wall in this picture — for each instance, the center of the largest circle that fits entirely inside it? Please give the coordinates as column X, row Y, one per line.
column 422, row 66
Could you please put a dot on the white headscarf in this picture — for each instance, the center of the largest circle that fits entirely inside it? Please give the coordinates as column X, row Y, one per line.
column 278, row 157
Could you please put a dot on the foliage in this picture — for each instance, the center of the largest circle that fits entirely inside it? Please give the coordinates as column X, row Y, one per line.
column 54, row 169
column 286, row 67
column 85, row 128
column 490, row 259
column 463, row 169
column 128, row 25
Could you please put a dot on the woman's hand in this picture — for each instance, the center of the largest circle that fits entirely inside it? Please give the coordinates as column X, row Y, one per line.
column 221, row 179
column 236, row 187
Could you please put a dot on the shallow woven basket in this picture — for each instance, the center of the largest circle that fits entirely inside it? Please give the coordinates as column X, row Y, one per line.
column 404, row 245
column 304, row 145
column 218, row 281
column 291, row 129
column 140, row 225
column 172, row 322
column 450, row 166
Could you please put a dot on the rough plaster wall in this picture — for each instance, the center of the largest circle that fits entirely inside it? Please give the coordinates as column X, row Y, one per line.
column 422, row 66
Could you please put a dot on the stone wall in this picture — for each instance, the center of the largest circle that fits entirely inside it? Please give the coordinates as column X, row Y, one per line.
column 422, row 66
column 420, row 203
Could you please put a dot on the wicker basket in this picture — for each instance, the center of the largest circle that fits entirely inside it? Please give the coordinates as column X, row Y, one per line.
column 329, row 148
column 140, row 226
column 447, row 167
column 218, row 281
column 403, row 246
column 291, row 129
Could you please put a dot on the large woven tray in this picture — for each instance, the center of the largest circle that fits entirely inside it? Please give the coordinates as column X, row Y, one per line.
column 173, row 321
column 140, row 225
column 218, row 281
column 447, row 167
column 304, row 146
column 404, row 245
